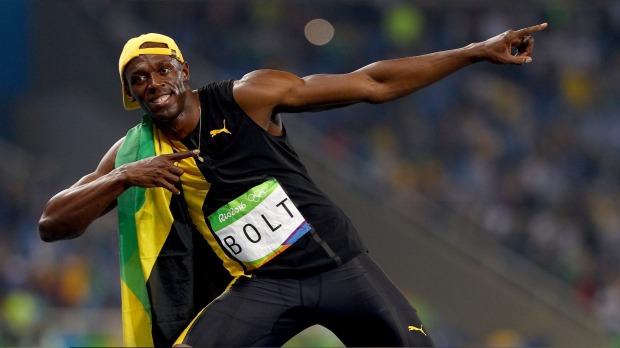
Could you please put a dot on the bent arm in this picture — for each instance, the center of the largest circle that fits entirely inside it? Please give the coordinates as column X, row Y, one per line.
column 71, row 211
column 68, row 213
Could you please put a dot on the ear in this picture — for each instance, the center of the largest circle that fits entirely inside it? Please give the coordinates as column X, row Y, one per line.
column 185, row 71
column 130, row 96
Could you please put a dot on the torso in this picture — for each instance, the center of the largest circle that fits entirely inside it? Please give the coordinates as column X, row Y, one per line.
column 240, row 155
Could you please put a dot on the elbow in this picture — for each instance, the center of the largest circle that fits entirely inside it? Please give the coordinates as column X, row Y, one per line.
column 46, row 230
column 51, row 230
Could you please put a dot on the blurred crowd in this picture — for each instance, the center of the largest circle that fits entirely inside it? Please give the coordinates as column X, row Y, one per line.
column 529, row 154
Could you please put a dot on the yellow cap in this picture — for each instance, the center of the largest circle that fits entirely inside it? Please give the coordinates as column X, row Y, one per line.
column 132, row 50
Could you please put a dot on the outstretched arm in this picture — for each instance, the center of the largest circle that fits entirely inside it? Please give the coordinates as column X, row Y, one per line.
column 263, row 93
column 401, row 77
column 71, row 211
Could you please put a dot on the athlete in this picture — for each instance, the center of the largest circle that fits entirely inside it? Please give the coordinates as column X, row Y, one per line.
column 225, row 239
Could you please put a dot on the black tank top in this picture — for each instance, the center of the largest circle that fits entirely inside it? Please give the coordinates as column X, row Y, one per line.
column 239, row 155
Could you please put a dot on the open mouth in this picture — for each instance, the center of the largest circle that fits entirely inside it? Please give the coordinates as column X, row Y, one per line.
column 162, row 99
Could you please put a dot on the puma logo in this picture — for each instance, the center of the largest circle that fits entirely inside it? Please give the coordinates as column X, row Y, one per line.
column 421, row 329
column 221, row 130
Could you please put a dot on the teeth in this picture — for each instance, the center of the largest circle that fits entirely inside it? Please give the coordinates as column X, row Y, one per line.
column 162, row 98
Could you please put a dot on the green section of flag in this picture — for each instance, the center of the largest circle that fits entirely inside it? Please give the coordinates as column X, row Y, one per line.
column 138, row 144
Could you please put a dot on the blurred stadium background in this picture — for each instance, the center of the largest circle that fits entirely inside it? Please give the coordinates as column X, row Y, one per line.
column 492, row 198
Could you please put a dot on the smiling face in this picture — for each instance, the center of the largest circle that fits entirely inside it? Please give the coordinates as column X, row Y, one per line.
column 158, row 83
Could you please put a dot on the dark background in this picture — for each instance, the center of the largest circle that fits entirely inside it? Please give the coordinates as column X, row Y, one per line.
column 525, row 156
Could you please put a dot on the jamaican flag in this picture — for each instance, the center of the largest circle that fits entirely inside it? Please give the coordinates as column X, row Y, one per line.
column 168, row 271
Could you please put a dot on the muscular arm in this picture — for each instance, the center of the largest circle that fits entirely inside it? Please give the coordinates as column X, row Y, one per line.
column 71, row 211
column 264, row 93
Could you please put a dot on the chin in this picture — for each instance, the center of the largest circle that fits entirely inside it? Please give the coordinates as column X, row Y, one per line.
column 165, row 113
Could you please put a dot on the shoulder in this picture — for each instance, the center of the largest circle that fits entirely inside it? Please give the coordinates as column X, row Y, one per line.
column 269, row 86
column 266, row 77
column 259, row 92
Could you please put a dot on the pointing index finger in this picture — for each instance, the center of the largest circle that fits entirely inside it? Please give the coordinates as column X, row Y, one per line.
column 185, row 154
column 531, row 30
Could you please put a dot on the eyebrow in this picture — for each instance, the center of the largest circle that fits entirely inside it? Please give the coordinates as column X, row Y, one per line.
column 158, row 64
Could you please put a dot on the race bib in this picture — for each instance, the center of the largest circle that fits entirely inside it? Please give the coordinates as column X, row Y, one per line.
column 258, row 225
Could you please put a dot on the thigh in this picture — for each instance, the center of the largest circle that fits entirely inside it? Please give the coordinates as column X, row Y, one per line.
column 253, row 312
column 364, row 308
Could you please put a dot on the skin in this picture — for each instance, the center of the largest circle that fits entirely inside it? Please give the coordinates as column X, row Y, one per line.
column 160, row 85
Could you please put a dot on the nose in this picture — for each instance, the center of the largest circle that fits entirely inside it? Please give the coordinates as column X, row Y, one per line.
column 156, row 80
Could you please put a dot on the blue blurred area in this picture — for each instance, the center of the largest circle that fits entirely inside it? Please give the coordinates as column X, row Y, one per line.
column 15, row 25
column 530, row 153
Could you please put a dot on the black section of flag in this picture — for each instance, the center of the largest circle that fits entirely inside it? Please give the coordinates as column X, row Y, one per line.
column 186, row 276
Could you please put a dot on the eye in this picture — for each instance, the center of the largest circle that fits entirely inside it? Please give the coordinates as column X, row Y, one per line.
column 164, row 70
column 137, row 79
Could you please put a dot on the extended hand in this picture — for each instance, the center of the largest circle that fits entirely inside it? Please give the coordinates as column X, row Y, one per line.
column 156, row 171
column 500, row 48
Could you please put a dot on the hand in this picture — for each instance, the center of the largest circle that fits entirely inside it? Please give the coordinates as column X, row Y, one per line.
column 499, row 49
column 156, row 171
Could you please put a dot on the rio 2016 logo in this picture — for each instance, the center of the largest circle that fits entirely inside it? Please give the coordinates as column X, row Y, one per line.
column 232, row 212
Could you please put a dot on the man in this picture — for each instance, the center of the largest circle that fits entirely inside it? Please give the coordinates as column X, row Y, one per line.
column 209, row 179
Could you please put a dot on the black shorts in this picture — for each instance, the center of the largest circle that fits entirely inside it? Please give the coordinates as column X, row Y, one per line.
column 356, row 301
